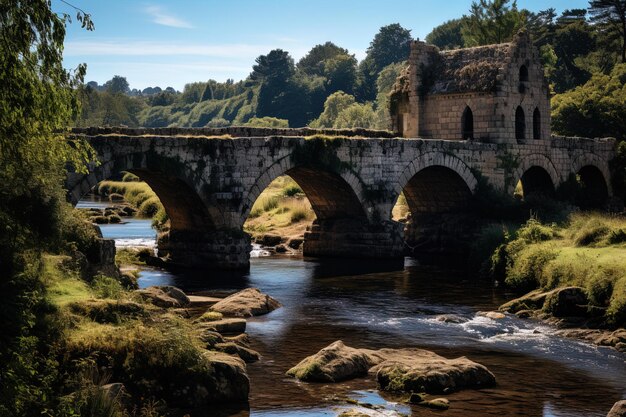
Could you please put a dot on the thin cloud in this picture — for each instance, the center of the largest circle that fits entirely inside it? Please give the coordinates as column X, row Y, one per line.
column 121, row 47
column 162, row 17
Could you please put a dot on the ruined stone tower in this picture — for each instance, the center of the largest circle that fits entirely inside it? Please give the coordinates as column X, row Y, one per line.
column 493, row 93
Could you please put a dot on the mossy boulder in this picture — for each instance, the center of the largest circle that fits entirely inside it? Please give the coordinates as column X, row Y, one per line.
column 534, row 300
column 336, row 362
column 247, row 303
column 398, row 370
column 165, row 296
column 416, row 370
column 566, row 302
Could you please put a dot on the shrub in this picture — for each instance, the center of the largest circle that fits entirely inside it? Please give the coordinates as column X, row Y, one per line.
column 150, row 207
column 299, row 214
column 107, row 287
column 616, row 236
column 525, row 272
column 130, row 177
column 114, row 219
column 533, row 232
column 292, row 190
column 488, row 240
column 616, row 313
column 599, row 288
column 211, row 316
column 590, row 232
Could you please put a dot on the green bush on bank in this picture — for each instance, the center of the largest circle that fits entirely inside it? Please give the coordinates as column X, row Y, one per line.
column 580, row 253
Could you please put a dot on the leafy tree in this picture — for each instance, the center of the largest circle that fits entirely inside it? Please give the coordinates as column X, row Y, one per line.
column 491, row 21
column 447, row 35
column 334, row 104
column 117, row 84
column 611, row 16
column 193, row 92
column 313, row 62
column 273, row 72
column 340, row 73
column 267, row 122
column 384, row 84
column 595, row 109
column 275, row 67
column 391, row 44
column 573, row 39
column 541, row 26
column 37, row 101
column 356, row 115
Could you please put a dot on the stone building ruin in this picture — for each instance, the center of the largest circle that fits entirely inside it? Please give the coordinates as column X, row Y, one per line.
column 493, row 93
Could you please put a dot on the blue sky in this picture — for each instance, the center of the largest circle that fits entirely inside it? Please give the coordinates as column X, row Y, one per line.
column 171, row 43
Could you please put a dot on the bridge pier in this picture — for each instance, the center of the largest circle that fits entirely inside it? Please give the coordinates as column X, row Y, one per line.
column 354, row 238
column 228, row 250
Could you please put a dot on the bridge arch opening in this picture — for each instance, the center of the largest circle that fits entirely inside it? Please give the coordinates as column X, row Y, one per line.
column 432, row 207
column 467, row 124
column 535, row 182
column 185, row 223
column 309, row 205
column 520, row 124
column 594, row 191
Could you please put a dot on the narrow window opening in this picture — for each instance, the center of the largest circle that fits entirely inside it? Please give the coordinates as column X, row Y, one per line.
column 520, row 124
column 536, row 124
column 467, row 124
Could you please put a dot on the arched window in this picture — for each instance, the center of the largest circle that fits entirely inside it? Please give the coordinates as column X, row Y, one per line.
column 520, row 124
column 523, row 74
column 467, row 124
column 536, row 124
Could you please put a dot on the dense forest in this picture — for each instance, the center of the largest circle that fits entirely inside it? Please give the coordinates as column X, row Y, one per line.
column 582, row 52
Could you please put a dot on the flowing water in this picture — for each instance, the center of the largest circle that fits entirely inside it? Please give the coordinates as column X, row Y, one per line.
column 367, row 305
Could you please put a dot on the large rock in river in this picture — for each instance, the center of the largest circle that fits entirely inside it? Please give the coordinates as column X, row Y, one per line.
column 618, row 409
column 336, row 362
column 408, row 370
column 417, row 370
column 247, row 303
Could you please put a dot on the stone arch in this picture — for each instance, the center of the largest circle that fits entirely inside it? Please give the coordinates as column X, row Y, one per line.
column 594, row 192
column 331, row 194
column 536, row 124
column 453, row 171
column 589, row 159
column 467, row 124
column 544, row 165
column 186, row 209
column 520, row 124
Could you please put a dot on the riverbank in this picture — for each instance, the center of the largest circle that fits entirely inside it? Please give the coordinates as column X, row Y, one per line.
column 574, row 272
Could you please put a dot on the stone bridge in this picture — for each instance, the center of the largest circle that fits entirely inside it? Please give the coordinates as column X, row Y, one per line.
column 208, row 180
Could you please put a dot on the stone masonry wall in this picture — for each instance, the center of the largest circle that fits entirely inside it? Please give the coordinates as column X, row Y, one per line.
column 210, row 185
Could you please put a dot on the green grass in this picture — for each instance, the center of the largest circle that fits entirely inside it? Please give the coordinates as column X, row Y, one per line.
column 64, row 285
column 587, row 252
column 211, row 316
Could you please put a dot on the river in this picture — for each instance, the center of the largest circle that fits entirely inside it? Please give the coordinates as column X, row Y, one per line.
column 537, row 373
